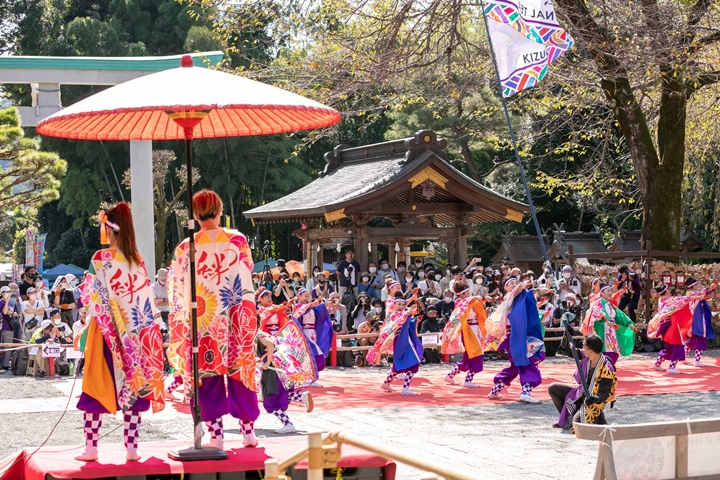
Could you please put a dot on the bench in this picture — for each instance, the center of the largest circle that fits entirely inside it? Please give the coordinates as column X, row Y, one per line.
column 667, row 450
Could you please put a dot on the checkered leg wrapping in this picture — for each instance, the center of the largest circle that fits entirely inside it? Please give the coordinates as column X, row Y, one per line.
column 132, row 425
column 177, row 381
column 247, row 427
column 215, row 427
column 408, row 378
column 526, row 389
column 282, row 416
column 295, row 396
column 93, row 422
column 469, row 377
column 497, row 388
column 454, row 371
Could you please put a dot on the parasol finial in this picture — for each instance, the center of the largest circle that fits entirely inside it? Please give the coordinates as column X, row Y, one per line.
column 186, row 61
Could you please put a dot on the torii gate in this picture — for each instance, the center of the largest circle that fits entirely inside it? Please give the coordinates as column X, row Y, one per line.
column 46, row 74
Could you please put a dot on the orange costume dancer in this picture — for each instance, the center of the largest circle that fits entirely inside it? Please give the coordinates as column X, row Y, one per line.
column 122, row 341
column 465, row 332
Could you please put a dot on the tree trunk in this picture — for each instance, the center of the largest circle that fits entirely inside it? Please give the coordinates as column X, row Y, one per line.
column 663, row 204
column 472, row 168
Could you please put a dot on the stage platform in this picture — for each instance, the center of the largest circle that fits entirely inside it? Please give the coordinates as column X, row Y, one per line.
column 51, row 463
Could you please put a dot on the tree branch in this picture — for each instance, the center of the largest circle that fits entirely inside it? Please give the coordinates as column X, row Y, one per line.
column 702, row 80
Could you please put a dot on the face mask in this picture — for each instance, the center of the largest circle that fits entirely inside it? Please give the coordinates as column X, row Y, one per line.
column 38, row 285
column 401, row 269
column 448, row 272
column 73, row 283
column 479, row 281
column 315, row 274
column 408, row 279
column 447, row 300
column 378, row 309
column 438, row 277
column 372, row 269
column 365, row 279
column 32, row 297
column 384, row 266
column 567, row 274
column 421, row 274
column 418, row 264
column 56, row 321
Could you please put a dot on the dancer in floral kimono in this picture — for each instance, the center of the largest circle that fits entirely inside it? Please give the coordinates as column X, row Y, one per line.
column 277, row 398
column 314, row 319
column 272, row 317
column 599, row 374
column 122, row 341
column 226, row 320
column 701, row 329
column 465, row 332
column 516, row 324
column 407, row 348
column 614, row 328
column 671, row 323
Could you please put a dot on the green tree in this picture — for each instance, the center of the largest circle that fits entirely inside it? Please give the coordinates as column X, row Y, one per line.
column 29, row 177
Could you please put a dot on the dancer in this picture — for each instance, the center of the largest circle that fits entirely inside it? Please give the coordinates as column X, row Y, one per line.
column 599, row 374
column 614, row 328
column 407, row 348
column 467, row 322
column 122, row 342
column 276, row 398
column 701, row 329
column 516, row 325
column 671, row 323
column 314, row 319
column 226, row 321
column 272, row 317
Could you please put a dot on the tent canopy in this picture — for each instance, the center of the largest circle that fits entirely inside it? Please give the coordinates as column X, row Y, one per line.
column 50, row 275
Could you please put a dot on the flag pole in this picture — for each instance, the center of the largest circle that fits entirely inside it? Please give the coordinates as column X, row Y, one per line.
column 514, row 142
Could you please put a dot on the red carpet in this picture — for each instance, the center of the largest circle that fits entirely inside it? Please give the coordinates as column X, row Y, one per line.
column 58, row 462
column 345, row 390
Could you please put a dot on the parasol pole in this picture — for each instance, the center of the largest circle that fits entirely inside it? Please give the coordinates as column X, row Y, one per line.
column 188, row 121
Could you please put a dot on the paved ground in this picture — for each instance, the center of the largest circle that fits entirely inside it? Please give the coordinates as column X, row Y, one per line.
column 509, row 441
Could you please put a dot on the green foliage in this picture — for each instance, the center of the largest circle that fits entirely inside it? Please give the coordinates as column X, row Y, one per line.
column 29, row 177
column 201, row 39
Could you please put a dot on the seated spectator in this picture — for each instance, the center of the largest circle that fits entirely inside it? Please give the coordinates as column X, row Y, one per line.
column 323, row 289
column 366, row 287
column 312, row 279
column 379, row 309
column 370, row 325
column 47, row 333
column 445, row 307
column 283, row 290
column 297, row 281
column 429, row 287
column 402, row 270
column 479, row 289
column 359, row 313
column 408, row 284
column 338, row 313
column 385, row 268
column 62, row 327
column 33, row 310
column 495, row 286
column 431, row 324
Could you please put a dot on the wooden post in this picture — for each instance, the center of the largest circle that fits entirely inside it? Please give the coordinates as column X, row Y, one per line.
column 315, row 456
column 648, row 283
column 462, row 253
column 272, row 469
column 308, row 254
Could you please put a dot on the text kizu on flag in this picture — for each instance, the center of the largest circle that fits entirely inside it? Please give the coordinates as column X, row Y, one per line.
column 526, row 38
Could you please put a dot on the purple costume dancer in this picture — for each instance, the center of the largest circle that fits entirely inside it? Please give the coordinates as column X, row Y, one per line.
column 519, row 318
column 701, row 328
column 407, row 347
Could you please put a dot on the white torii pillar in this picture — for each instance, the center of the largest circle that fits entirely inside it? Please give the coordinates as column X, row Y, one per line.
column 141, row 197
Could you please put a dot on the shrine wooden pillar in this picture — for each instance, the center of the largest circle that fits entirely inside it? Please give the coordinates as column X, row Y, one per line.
column 462, row 253
column 309, row 250
column 361, row 248
column 452, row 252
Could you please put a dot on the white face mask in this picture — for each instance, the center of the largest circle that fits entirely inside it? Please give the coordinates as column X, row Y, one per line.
column 56, row 321
column 479, row 281
column 448, row 271
column 421, row 274
column 418, row 264
column 384, row 266
column 378, row 309
column 365, row 279
column 438, row 277
column 447, row 299
column 372, row 269
column 408, row 279
column 38, row 285
column 32, row 297
column 401, row 269
column 315, row 274
column 567, row 274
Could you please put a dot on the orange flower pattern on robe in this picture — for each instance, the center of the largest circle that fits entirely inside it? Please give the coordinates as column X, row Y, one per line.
column 227, row 321
column 120, row 302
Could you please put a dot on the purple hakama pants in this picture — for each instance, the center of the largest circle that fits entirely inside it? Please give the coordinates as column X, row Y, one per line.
column 279, row 400
column 529, row 374
column 698, row 343
column 238, row 400
column 467, row 364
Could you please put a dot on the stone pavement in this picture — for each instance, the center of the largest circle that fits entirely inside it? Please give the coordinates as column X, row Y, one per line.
column 509, row 441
